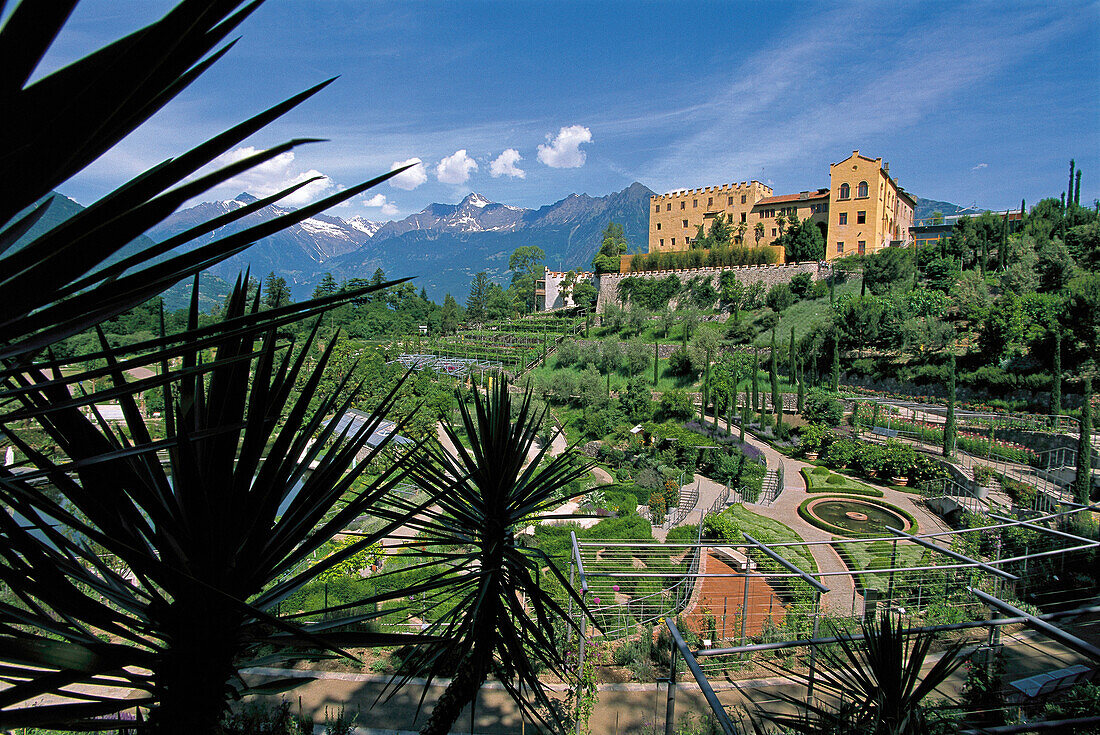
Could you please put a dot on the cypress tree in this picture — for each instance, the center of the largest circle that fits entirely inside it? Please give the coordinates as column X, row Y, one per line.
column 744, row 416
column 832, row 287
column 1056, row 377
column 1071, row 163
column 755, row 385
column 773, row 374
column 656, row 360
column 949, row 423
column 801, row 387
column 790, row 356
column 1084, row 446
column 1002, row 254
column 1077, row 190
column 1022, row 211
column 836, row 363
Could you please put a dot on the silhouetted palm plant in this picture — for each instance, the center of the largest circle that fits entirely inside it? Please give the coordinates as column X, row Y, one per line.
column 497, row 613
column 870, row 686
column 132, row 562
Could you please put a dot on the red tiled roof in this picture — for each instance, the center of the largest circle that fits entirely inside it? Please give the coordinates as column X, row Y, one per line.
column 785, row 198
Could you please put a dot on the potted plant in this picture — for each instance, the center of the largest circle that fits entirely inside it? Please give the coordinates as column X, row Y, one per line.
column 899, row 460
column 840, row 453
column 871, row 459
column 811, row 439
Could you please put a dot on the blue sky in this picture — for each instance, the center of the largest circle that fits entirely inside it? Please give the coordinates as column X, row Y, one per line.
column 976, row 104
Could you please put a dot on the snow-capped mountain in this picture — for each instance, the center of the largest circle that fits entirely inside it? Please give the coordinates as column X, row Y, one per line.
column 443, row 244
column 475, row 213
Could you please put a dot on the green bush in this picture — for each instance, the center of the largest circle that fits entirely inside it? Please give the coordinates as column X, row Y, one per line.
column 819, row 471
column 836, row 480
column 822, row 408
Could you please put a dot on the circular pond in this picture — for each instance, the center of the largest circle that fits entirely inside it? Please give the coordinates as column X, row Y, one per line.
column 857, row 517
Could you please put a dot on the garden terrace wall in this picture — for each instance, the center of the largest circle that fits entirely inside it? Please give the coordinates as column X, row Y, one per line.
column 770, row 275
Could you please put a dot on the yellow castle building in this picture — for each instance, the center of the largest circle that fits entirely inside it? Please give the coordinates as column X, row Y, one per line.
column 862, row 211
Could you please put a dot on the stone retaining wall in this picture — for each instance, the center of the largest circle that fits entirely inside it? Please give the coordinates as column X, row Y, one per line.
column 770, row 275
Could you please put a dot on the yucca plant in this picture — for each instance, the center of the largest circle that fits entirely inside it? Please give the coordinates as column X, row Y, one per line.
column 206, row 531
column 131, row 562
column 873, row 685
column 493, row 598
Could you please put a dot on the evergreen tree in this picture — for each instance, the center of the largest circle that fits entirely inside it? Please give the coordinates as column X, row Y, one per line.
column 449, row 316
column 1084, row 446
column 720, row 233
column 773, row 375
column 790, row 356
column 744, row 417
column 801, row 386
column 1056, row 373
column 949, row 423
column 276, row 292
column 1071, row 165
column 656, row 360
column 1077, row 190
column 755, row 384
column 1002, row 250
column 612, row 244
column 479, row 294
column 835, row 384
column 327, row 286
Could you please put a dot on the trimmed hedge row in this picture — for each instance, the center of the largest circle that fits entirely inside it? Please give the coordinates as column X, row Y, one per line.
column 830, row 528
column 847, row 487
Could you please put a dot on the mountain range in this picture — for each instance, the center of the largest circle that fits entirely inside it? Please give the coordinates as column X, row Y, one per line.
column 443, row 245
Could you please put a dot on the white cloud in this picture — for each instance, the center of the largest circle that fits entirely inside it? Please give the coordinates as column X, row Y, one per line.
column 456, row 168
column 564, row 151
column 410, row 179
column 275, row 175
column 979, row 167
column 386, row 207
column 505, row 165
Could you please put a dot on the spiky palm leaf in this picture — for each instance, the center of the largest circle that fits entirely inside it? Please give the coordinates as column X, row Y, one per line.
column 73, row 276
column 872, row 686
column 196, row 522
column 496, row 613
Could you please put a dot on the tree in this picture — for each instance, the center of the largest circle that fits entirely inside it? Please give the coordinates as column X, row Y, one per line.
column 636, row 401
column 612, row 244
column 835, row 384
column 732, row 292
column 1056, row 372
column 276, row 292
column 1083, row 481
column 499, row 304
column 937, row 217
column 450, row 315
column 327, row 286
column 755, row 371
column 886, row 268
column 779, row 298
column 949, row 422
column 636, row 356
column 758, row 232
column 803, row 242
column 479, row 293
column 720, row 233
column 822, row 408
column 526, row 266
column 674, row 405
column 496, row 612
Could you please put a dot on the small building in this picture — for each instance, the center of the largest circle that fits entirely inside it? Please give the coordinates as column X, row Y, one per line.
column 353, row 422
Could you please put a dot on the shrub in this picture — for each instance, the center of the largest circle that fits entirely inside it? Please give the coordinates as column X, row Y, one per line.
column 675, row 405
column 836, row 480
column 840, row 453
column 680, row 363
column 822, row 408
column 870, row 458
column 812, row 437
column 819, row 471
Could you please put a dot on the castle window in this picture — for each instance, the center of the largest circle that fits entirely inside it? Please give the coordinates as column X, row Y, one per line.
column 839, row 248
column 845, row 191
column 683, row 204
column 694, row 203
column 743, row 216
column 862, row 246
column 710, row 202
column 657, row 209
column 658, row 225
column 685, row 224
column 843, row 218
column 731, row 200
column 669, row 209
column 674, row 242
column 861, row 217
column 743, row 199
column 862, row 189
column 773, row 232
column 662, row 242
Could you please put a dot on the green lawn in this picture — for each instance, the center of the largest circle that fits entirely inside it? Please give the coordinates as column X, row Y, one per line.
column 831, row 482
column 736, row 520
column 803, row 316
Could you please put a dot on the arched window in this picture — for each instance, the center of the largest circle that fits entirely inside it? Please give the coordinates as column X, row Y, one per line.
column 862, row 188
column 845, row 191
